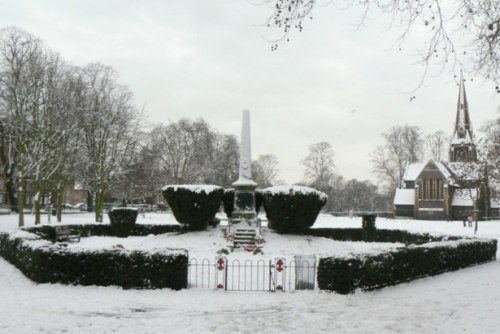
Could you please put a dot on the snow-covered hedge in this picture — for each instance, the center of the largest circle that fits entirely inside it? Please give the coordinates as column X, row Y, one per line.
column 228, row 201
column 292, row 209
column 345, row 275
column 194, row 206
column 98, row 229
column 45, row 262
column 123, row 220
column 358, row 234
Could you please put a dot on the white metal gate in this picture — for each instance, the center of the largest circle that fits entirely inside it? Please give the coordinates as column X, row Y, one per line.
column 253, row 274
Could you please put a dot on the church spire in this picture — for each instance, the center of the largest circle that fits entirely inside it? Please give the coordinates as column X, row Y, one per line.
column 462, row 146
column 463, row 128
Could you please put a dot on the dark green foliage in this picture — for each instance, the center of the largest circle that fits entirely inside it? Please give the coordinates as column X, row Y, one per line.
column 128, row 269
column 259, row 200
column 292, row 210
column 358, row 234
column 345, row 275
column 368, row 222
column 47, row 231
column 191, row 207
column 228, row 201
column 122, row 220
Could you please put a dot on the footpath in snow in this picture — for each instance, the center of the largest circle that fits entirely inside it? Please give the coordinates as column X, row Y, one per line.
column 466, row 301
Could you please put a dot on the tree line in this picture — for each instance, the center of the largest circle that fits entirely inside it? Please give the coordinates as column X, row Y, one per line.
column 61, row 123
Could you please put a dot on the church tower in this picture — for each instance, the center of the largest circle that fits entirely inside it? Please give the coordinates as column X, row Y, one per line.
column 462, row 147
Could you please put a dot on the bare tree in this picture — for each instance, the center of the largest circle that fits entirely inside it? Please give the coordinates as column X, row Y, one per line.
column 22, row 66
column 403, row 145
column 108, row 121
column 320, row 169
column 490, row 151
column 471, row 182
column 224, row 167
column 437, row 144
column 264, row 170
column 457, row 31
column 184, row 149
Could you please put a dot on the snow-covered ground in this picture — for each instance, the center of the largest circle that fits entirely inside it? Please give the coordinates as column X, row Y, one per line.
column 466, row 301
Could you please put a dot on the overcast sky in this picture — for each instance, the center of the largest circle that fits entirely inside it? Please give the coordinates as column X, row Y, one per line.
column 212, row 59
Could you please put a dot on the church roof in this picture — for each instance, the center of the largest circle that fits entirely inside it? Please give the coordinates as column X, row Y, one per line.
column 468, row 171
column 464, row 197
column 495, row 203
column 413, row 170
column 404, row 197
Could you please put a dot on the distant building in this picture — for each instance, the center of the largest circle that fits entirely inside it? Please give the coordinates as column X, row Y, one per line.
column 431, row 190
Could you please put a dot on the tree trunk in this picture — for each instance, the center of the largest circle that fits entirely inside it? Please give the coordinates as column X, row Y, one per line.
column 21, row 196
column 60, row 197
column 38, row 188
column 99, row 201
column 476, row 218
column 11, row 191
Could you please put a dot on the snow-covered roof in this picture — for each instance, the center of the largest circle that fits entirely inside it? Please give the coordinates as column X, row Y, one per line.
column 495, row 203
column 469, row 171
column 442, row 168
column 464, row 197
column 404, row 197
column 456, row 140
column 413, row 170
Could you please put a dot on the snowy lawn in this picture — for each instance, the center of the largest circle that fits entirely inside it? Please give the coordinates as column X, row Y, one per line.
column 465, row 301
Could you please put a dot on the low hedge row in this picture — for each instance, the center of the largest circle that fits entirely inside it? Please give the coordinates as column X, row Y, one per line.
column 345, row 275
column 48, row 231
column 358, row 234
column 45, row 262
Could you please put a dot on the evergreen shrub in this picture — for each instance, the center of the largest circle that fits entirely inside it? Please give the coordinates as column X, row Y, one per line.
column 292, row 209
column 48, row 231
column 193, row 206
column 228, row 202
column 358, row 234
column 345, row 275
column 122, row 220
column 45, row 262
column 368, row 222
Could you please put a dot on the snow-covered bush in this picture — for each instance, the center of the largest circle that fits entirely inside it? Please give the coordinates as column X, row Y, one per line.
column 228, row 201
column 122, row 220
column 45, row 262
column 194, row 206
column 292, row 209
column 345, row 275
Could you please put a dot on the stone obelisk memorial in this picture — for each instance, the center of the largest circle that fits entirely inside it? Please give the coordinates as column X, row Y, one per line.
column 244, row 187
column 244, row 225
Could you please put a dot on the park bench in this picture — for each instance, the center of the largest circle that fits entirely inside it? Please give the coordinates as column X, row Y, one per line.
column 64, row 233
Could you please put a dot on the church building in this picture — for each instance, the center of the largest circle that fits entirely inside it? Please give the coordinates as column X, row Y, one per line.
column 436, row 190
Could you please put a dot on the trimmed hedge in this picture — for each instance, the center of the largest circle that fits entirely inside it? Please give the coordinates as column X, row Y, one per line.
column 228, row 201
column 44, row 262
column 345, row 275
column 359, row 234
column 99, row 229
column 292, row 209
column 193, row 205
column 122, row 220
